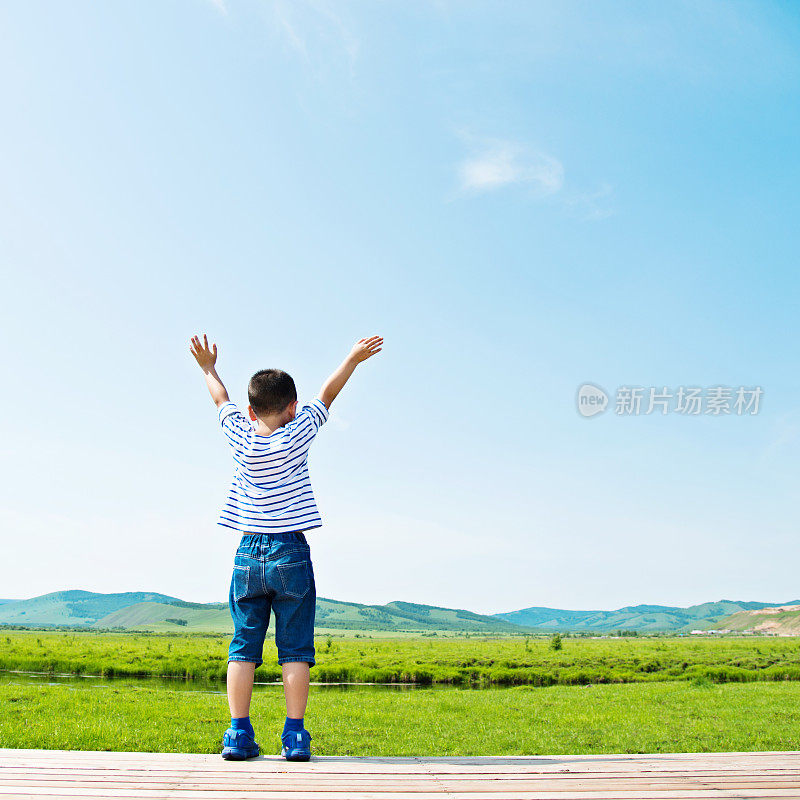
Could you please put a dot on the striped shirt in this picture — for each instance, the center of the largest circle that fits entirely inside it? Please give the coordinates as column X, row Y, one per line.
column 271, row 489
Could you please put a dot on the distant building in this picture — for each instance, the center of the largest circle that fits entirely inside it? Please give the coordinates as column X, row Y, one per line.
column 713, row 631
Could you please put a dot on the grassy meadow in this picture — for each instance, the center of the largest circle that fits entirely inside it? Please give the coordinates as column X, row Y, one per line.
column 425, row 660
column 521, row 720
column 502, row 696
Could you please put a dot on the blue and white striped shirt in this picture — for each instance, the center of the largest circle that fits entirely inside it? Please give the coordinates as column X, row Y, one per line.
column 271, row 489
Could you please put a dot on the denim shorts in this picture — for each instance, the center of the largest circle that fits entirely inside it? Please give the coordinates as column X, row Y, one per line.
column 273, row 572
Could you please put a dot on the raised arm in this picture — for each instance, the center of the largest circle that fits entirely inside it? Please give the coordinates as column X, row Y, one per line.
column 362, row 350
column 207, row 358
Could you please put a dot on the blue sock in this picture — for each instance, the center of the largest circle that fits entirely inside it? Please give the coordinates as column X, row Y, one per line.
column 242, row 724
column 293, row 724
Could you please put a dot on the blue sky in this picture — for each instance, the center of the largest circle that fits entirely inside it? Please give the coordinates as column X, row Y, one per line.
column 520, row 197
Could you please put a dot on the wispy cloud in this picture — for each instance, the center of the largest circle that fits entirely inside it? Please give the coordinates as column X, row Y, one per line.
column 314, row 30
column 494, row 163
column 284, row 22
column 313, row 27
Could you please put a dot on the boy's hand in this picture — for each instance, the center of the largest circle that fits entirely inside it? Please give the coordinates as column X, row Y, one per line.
column 366, row 348
column 205, row 356
column 362, row 350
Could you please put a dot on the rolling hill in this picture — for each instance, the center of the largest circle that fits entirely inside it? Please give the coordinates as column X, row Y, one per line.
column 158, row 612
column 642, row 618
column 331, row 614
column 398, row 615
column 158, row 616
column 74, row 607
column 783, row 619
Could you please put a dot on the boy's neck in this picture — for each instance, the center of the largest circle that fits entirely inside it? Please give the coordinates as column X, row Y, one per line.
column 268, row 424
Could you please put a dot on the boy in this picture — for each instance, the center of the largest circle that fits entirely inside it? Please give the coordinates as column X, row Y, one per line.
column 270, row 503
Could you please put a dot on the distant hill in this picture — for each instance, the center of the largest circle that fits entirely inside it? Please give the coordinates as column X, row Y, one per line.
column 783, row 619
column 74, row 607
column 158, row 612
column 157, row 616
column 642, row 618
column 396, row 616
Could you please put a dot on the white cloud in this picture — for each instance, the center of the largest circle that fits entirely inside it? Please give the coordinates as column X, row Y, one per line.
column 220, row 6
column 495, row 163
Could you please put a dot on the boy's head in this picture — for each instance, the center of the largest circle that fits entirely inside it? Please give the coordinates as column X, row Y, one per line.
column 272, row 391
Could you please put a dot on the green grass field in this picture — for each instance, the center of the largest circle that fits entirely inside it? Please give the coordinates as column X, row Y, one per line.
column 592, row 696
column 633, row 718
column 461, row 661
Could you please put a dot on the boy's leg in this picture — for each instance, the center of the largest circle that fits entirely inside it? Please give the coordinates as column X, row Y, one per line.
column 240, row 687
column 294, row 605
column 250, row 610
column 296, row 679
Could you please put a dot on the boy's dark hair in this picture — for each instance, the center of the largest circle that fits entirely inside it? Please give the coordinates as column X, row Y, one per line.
column 271, row 390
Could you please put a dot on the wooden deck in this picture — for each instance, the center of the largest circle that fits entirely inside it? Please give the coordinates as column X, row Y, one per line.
column 42, row 774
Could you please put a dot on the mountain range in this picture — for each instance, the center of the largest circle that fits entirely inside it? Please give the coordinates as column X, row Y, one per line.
column 160, row 612
column 642, row 618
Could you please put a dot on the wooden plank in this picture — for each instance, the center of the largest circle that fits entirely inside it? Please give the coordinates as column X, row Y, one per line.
column 224, row 771
column 307, row 784
column 492, row 762
column 627, row 762
column 9, row 776
column 333, row 764
column 389, row 793
column 399, row 793
column 787, row 755
column 754, row 780
column 279, row 766
column 411, row 787
column 353, row 780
